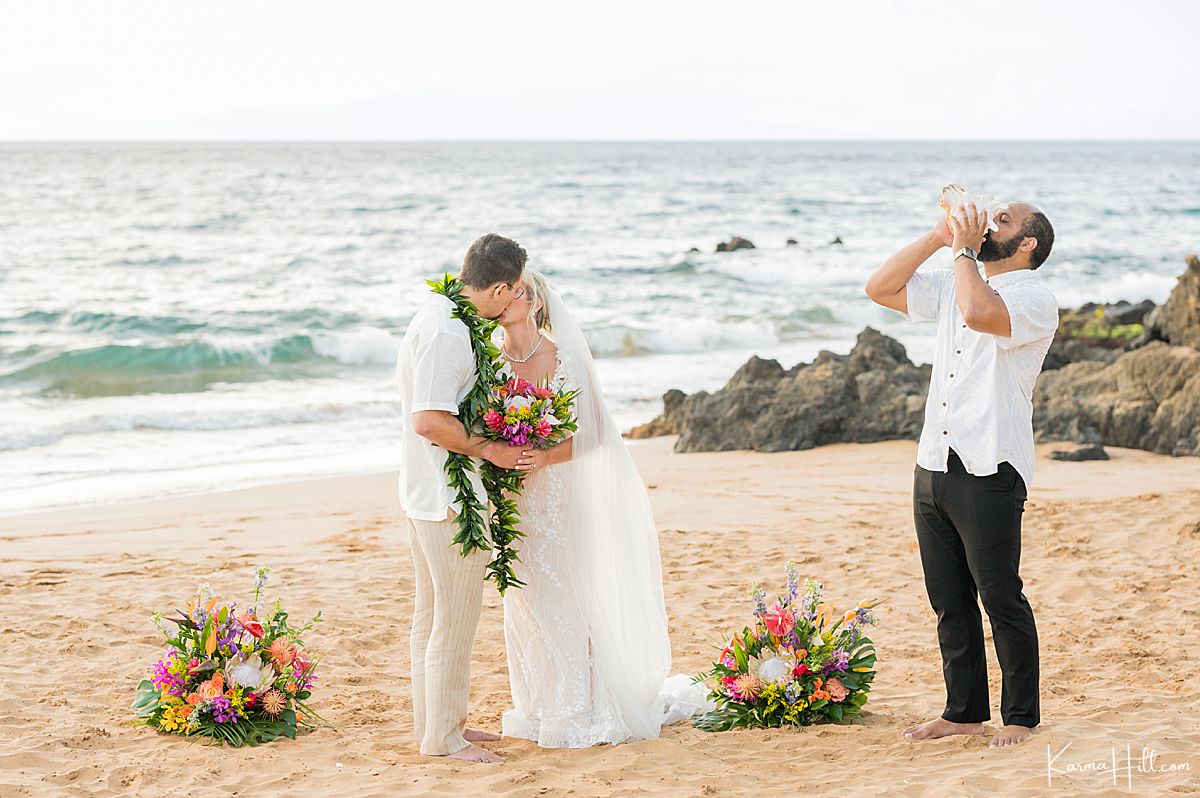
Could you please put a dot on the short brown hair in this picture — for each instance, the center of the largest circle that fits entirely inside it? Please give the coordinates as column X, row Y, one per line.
column 492, row 259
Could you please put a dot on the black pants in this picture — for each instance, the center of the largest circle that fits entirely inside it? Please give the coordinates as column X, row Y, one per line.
column 969, row 531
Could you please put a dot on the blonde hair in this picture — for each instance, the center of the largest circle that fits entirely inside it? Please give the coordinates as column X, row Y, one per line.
column 539, row 292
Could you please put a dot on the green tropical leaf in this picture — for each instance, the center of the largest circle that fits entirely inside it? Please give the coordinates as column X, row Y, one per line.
column 147, row 698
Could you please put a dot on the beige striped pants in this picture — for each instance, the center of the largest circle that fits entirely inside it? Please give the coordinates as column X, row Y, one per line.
column 449, row 598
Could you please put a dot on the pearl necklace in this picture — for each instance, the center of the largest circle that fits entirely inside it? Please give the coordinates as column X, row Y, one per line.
column 532, row 352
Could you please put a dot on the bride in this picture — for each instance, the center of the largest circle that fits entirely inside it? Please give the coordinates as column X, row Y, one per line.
column 588, row 652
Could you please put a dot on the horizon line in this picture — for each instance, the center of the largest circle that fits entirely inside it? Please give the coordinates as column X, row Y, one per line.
column 848, row 140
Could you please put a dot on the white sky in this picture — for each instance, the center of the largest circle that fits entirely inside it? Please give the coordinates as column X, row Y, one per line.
column 606, row 69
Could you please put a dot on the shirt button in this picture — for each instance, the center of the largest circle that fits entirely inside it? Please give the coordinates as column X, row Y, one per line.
column 958, row 352
column 945, row 432
column 951, row 376
column 943, row 404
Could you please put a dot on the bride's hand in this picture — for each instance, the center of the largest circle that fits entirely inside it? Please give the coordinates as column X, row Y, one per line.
column 533, row 459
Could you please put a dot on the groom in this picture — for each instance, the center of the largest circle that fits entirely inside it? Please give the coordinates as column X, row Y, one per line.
column 975, row 457
column 435, row 371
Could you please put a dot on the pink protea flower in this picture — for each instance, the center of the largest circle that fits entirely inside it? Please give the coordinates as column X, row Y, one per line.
column 747, row 687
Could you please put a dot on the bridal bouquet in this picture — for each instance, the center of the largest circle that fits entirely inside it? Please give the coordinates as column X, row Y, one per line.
column 236, row 678
column 800, row 663
column 524, row 414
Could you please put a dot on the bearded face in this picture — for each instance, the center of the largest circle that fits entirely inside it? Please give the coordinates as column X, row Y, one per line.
column 994, row 248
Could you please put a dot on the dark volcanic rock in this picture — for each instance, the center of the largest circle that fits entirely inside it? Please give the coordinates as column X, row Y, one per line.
column 1097, row 387
column 1145, row 399
column 1096, row 332
column 1128, row 313
column 874, row 393
column 1177, row 321
column 791, row 242
column 836, row 240
column 1095, row 452
column 1068, row 350
column 665, row 423
column 737, row 242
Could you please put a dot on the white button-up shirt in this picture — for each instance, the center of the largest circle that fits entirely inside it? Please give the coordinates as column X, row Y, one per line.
column 435, row 370
column 981, row 396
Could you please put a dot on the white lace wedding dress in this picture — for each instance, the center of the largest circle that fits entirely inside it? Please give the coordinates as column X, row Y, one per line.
column 588, row 652
column 560, row 699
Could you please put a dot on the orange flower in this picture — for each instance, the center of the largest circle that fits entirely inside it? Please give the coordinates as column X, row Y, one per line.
column 274, row 703
column 282, row 652
column 291, row 687
column 212, row 688
column 194, row 699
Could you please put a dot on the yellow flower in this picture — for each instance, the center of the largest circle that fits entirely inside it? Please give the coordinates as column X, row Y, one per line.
column 175, row 718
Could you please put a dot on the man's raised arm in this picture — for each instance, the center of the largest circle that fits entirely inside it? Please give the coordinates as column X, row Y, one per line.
column 446, row 430
column 887, row 286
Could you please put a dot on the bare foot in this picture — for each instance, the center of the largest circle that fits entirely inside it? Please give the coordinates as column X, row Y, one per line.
column 479, row 736
column 474, row 753
column 940, row 727
column 1011, row 735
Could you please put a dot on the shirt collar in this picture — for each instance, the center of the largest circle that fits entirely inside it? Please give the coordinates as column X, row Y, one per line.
column 1011, row 278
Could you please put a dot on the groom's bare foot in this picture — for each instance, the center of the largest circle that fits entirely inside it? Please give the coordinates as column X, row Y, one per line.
column 479, row 736
column 1011, row 735
column 473, row 753
column 940, row 727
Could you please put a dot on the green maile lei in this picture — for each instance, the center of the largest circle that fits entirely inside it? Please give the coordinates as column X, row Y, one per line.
column 502, row 485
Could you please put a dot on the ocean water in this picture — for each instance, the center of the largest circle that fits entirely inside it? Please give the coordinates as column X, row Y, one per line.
column 183, row 317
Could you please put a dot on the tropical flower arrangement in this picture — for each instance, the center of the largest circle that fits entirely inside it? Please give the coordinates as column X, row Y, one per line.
column 800, row 663
column 235, row 678
column 524, row 414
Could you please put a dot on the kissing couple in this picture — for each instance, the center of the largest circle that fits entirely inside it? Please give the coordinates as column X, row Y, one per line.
column 586, row 636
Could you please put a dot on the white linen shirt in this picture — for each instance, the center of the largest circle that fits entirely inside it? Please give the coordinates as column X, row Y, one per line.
column 981, row 395
column 435, row 370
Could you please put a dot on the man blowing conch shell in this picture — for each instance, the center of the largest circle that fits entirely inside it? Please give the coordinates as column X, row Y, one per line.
column 975, row 457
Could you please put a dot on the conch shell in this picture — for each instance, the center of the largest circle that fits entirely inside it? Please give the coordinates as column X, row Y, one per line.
column 955, row 198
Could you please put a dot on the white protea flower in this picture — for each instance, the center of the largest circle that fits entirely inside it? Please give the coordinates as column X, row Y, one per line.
column 775, row 670
column 250, row 672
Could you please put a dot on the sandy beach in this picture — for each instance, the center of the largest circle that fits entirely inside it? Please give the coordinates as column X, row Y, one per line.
column 1111, row 564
